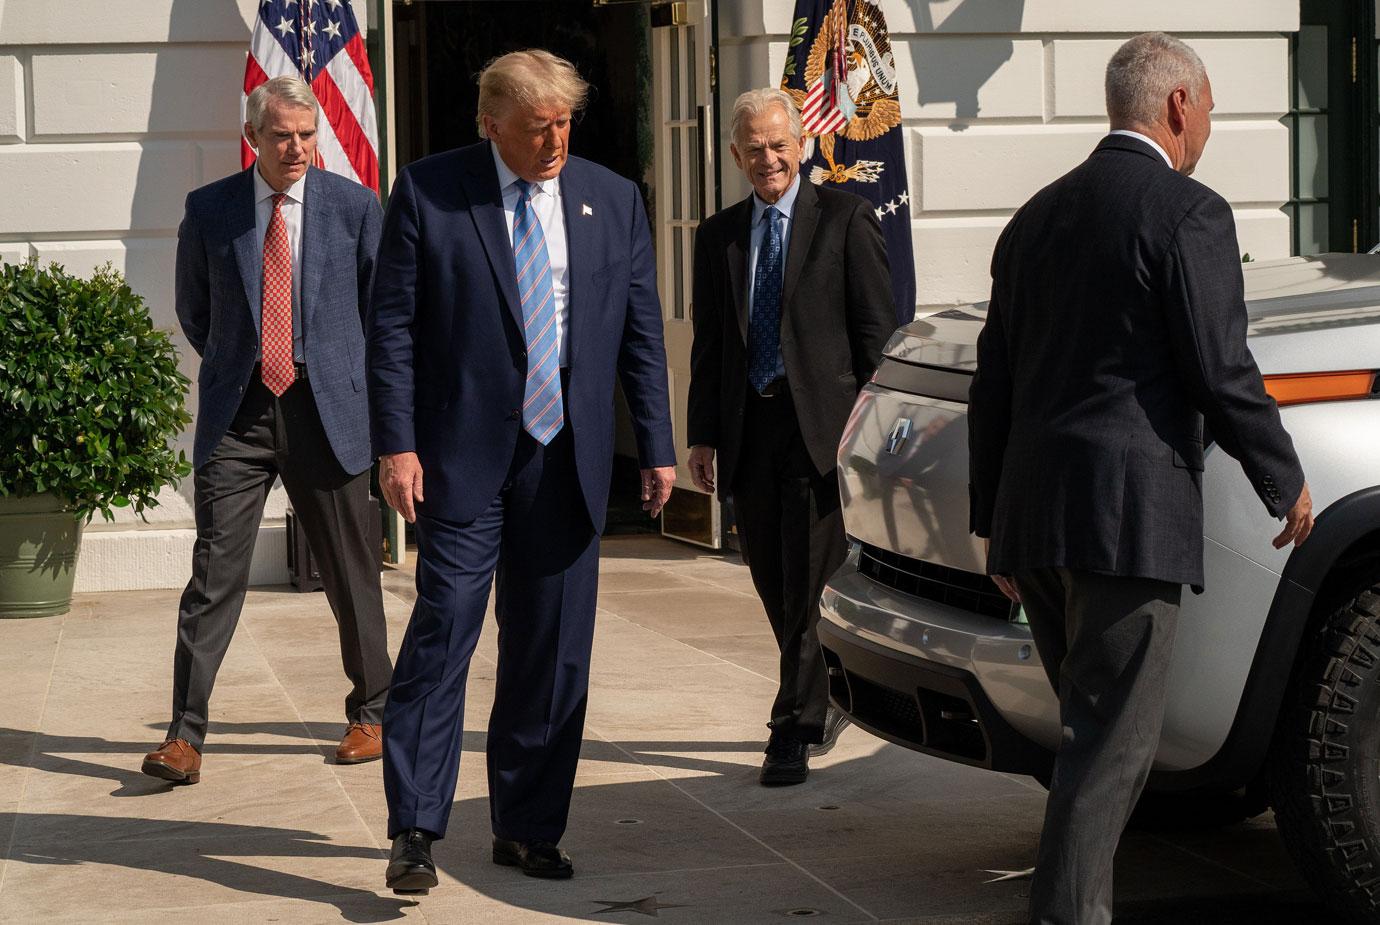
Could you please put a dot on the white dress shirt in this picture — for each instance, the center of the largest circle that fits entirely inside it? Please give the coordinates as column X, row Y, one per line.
column 546, row 203
column 786, row 206
column 292, row 217
column 1150, row 141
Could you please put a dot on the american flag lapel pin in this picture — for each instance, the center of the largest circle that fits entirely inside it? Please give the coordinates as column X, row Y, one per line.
column 586, row 209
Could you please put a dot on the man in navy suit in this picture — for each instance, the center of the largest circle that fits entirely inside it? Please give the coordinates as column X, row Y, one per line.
column 273, row 266
column 513, row 283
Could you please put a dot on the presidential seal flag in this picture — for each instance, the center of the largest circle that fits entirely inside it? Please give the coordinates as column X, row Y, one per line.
column 841, row 73
column 320, row 42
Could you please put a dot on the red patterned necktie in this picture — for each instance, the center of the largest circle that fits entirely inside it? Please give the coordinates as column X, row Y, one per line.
column 276, row 367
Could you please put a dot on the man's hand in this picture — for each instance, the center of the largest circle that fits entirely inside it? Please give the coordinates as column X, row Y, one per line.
column 656, row 488
column 1298, row 523
column 701, row 465
column 1003, row 582
column 400, row 479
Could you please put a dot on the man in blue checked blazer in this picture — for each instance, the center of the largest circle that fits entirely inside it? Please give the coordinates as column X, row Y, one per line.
column 273, row 267
column 513, row 283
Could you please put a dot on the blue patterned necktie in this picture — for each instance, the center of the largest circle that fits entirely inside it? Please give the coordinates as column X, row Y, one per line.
column 764, row 328
column 543, row 412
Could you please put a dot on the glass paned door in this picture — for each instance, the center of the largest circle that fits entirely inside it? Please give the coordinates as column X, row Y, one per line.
column 682, row 89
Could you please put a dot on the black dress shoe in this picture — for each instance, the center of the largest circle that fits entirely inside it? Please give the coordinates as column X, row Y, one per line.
column 411, row 872
column 834, row 723
column 787, row 762
column 536, row 858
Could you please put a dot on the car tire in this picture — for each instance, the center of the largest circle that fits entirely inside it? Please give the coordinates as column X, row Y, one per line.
column 1323, row 772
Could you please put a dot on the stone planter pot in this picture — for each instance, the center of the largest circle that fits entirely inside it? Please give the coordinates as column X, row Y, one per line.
column 39, row 542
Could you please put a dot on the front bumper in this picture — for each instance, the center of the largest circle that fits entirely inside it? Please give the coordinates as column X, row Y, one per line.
column 929, row 677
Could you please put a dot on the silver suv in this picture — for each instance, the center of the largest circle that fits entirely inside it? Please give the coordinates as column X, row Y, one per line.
column 1275, row 684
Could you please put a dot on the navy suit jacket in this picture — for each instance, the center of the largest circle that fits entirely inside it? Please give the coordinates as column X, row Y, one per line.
column 447, row 358
column 219, row 296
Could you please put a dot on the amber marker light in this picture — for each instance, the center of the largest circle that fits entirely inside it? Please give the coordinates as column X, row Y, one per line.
column 1300, row 388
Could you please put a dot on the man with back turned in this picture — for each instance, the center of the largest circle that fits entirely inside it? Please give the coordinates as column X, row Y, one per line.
column 1117, row 326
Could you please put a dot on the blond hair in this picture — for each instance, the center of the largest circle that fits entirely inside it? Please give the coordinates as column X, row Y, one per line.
column 533, row 77
column 291, row 91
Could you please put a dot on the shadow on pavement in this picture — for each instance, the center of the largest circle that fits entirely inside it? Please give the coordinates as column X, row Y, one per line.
column 696, row 835
column 200, row 851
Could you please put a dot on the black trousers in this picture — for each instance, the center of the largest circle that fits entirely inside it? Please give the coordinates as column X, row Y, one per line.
column 1105, row 641
column 790, row 524
column 278, row 438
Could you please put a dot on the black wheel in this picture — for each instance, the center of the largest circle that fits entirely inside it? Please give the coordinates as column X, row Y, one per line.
column 1323, row 772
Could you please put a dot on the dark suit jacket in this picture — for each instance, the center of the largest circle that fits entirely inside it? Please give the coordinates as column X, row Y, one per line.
column 220, row 272
column 1117, row 324
column 447, row 358
column 837, row 312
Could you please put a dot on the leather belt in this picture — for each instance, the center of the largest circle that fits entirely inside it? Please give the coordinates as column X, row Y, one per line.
column 777, row 388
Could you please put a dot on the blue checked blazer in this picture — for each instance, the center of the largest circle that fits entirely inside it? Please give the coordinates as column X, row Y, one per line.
column 219, row 294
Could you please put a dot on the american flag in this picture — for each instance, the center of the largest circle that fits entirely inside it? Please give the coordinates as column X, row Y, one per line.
column 320, row 41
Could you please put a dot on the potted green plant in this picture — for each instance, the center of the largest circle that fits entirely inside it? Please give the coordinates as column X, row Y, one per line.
column 90, row 401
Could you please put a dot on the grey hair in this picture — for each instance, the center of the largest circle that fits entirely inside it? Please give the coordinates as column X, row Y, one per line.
column 533, row 77
column 1144, row 71
column 753, row 103
column 291, row 91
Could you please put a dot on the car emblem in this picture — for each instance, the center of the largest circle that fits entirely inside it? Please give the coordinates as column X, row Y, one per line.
column 900, row 433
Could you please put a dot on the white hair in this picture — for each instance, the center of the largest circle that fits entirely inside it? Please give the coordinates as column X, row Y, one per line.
column 1143, row 73
column 753, row 103
column 291, row 91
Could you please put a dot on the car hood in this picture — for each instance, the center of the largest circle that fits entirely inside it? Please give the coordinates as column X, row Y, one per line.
column 1306, row 314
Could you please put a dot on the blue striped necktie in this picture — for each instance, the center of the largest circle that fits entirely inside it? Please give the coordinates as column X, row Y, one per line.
column 543, row 412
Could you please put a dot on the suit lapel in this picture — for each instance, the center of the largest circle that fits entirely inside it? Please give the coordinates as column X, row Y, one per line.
column 738, row 246
column 313, row 225
column 804, row 219
column 239, row 222
column 579, row 249
column 480, row 180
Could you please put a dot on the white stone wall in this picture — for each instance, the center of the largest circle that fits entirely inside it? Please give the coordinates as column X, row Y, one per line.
column 110, row 112
column 999, row 97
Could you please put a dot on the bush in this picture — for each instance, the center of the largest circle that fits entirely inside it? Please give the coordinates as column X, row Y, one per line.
column 90, row 393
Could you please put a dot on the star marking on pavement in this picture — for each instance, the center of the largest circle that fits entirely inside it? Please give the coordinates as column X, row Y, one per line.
column 283, row 27
column 648, row 905
column 1003, row 876
column 333, row 30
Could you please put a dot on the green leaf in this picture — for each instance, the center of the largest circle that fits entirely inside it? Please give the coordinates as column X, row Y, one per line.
column 91, row 396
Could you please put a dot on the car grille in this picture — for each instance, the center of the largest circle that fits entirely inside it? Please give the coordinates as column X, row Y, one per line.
column 954, row 587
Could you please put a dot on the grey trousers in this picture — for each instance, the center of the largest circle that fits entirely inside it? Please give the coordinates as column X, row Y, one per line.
column 1105, row 641
column 278, row 438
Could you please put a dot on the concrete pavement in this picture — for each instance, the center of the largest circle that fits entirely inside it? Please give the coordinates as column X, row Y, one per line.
column 667, row 822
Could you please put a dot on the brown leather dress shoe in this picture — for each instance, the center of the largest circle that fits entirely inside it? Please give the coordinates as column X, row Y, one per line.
column 175, row 760
column 363, row 742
